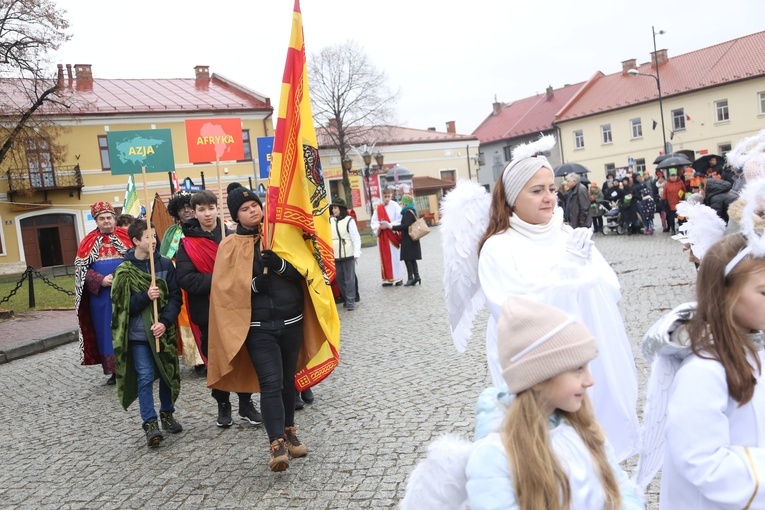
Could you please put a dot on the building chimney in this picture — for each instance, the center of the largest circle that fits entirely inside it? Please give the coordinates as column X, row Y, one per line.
column 69, row 73
column 60, row 75
column 451, row 127
column 659, row 57
column 628, row 64
column 84, row 76
column 202, row 77
column 549, row 92
column 496, row 107
column 333, row 124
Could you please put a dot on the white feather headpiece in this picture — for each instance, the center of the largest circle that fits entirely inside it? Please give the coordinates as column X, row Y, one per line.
column 703, row 226
column 750, row 147
column 528, row 150
column 754, row 205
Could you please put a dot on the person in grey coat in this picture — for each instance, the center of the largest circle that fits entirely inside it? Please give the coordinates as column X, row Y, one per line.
column 577, row 203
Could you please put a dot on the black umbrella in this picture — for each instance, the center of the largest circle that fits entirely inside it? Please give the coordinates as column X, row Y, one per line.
column 570, row 168
column 671, row 155
column 674, row 161
column 702, row 164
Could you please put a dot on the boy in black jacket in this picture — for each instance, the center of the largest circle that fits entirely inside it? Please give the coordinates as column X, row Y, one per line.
column 143, row 346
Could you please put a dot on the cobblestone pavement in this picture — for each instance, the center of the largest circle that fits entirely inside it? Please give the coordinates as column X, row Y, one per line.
column 66, row 443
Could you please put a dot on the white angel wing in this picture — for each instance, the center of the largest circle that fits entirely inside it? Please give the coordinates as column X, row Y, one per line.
column 439, row 481
column 703, row 228
column 464, row 218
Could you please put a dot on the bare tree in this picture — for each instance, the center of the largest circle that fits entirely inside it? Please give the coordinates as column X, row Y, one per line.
column 350, row 98
column 29, row 85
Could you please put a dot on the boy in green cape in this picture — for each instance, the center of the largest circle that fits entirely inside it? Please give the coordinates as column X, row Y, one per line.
column 134, row 331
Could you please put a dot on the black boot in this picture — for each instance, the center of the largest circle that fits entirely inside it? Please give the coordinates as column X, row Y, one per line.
column 417, row 279
column 409, row 282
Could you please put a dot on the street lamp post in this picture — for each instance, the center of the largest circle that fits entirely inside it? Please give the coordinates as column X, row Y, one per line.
column 367, row 157
column 634, row 72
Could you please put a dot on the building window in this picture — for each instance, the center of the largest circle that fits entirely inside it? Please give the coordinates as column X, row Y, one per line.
column 721, row 108
column 508, row 151
column 761, row 101
column 449, row 175
column 2, row 239
column 678, row 119
column 637, row 128
column 579, row 139
column 640, row 165
column 606, row 130
column 103, row 149
column 40, row 162
column 247, row 145
column 723, row 148
column 610, row 167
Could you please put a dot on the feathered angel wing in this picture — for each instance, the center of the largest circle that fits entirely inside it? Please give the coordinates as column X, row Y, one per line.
column 703, row 228
column 464, row 217
column 439, row 481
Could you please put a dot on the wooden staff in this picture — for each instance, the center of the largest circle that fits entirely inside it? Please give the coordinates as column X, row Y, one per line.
column 151, row 253
column 220, row 199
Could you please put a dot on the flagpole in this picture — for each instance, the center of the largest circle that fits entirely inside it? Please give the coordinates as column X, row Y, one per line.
column 220, row 198
column 151, row 252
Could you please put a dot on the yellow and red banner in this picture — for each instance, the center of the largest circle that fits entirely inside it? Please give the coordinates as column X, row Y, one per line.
column 296, row 225
column 211, row 140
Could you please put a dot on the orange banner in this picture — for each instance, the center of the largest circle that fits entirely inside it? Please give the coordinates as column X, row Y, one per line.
column 296, row 225
column 211, row 139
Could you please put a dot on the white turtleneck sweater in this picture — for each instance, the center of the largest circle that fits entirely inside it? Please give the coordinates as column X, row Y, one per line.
column 531, row 261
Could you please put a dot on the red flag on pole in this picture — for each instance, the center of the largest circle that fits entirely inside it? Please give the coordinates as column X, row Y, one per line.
column 296, row 225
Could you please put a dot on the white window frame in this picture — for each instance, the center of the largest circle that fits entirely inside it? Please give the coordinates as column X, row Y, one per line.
column 636, row 128
column 579, row 139
column 640, row 165
column 610, row 167
column 761, row 101
column 607, row 136
column 720, row 150
column 678, row 121
column 452, row 171
column 722, row 112
column 3, row 247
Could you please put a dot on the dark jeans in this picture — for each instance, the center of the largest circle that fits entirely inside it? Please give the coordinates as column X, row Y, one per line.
column 346, row 279
column 143, row 360
column 274, row 355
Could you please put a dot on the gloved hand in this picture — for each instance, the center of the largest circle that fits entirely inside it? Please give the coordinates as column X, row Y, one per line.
column 273, row 261
column 580, row 243
column 261, row 284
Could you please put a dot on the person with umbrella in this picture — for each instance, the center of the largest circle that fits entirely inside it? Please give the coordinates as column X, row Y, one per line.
column 674, row 192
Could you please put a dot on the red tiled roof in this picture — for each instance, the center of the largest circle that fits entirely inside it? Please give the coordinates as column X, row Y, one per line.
column 389, row 135
column 526, row 116
column 727, row 62
column 135, row 96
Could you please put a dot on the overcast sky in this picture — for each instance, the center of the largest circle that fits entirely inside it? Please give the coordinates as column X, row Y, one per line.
column 448, row 58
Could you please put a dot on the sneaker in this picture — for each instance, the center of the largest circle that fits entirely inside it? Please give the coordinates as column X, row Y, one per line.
column 224, row 414
column 294, row 446
column 250, row 414
column 153, row 434
column 279, row 460
column 169, row 423
column 299, row 404
column 307, row 396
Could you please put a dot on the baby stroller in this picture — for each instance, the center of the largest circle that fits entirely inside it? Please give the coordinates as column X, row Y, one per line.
column 613, row 218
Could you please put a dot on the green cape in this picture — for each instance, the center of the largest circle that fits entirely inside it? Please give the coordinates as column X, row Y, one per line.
column 128, row 279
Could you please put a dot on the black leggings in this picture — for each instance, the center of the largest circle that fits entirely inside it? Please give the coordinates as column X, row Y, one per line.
column 411, row 269
column 274, row 355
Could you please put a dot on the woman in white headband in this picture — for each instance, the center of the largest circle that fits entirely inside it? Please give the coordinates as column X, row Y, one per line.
column 527, row 251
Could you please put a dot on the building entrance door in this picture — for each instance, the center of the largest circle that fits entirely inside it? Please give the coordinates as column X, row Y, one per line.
column 49, row 240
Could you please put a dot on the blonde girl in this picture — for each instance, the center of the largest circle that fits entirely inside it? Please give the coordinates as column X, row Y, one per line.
column 715, row 420
column 549, row 453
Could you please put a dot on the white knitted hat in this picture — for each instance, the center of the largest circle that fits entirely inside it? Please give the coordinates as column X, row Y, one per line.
column 536, row 342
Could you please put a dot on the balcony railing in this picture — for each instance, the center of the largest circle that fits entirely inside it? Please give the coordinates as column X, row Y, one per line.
column 26, row 180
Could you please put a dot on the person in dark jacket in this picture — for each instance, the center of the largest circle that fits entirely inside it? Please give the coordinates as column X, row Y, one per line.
column 194, row 264
column 138, row 360
column 577, row 203
column 410, row 249
column 718, row 195
column 274, row 325
column 628, row 207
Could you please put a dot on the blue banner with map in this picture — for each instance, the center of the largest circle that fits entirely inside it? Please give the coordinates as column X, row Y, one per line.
column 131, row 150
column 265, row 148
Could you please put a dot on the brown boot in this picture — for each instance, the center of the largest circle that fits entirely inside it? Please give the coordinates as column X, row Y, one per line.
column 279, row 460
column 295, row 447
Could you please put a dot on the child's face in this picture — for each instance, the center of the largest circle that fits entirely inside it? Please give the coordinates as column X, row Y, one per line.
column 207, row 214
column 749, row 308
column 145, row 243
column 250, row 214
column 566, row 391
